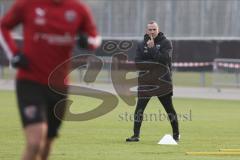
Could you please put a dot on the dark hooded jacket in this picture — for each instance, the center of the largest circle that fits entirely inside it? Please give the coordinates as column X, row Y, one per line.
column 161, row 54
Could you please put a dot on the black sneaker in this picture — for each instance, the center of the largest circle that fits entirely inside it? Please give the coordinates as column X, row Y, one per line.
column 133, row 139
column 176, row 137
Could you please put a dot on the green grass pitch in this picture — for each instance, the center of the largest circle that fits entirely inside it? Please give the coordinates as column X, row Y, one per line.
column 207, row 125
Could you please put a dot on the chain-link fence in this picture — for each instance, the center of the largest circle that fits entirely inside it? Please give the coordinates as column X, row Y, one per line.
column 177, row 18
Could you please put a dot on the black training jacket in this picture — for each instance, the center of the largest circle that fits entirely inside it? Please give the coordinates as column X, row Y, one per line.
column 161, row 53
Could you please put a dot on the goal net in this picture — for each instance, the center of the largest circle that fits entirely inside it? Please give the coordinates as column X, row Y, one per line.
column 226, row 73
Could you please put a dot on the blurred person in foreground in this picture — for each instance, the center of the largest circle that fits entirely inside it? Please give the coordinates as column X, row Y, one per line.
column 158, row 49
column 50, row 28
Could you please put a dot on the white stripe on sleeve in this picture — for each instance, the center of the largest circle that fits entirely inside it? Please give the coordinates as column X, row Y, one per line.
column 95, row 41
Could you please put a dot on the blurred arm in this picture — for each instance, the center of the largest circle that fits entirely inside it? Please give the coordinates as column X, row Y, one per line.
column 89, row 37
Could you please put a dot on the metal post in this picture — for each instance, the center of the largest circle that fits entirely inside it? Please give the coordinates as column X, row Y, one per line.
column 202, row 79
column 237, row 22
column 2, row 6
column 174, row 8
column 1, row 71
column 202, row 19
column 140, row 11
column 1, row 14
column 237, row 80
column 109, row 18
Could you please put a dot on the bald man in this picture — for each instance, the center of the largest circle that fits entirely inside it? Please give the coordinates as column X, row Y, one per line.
column 158, row 49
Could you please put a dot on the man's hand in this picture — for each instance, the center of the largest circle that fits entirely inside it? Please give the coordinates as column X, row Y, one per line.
column 19, row 61
column 150, row 43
